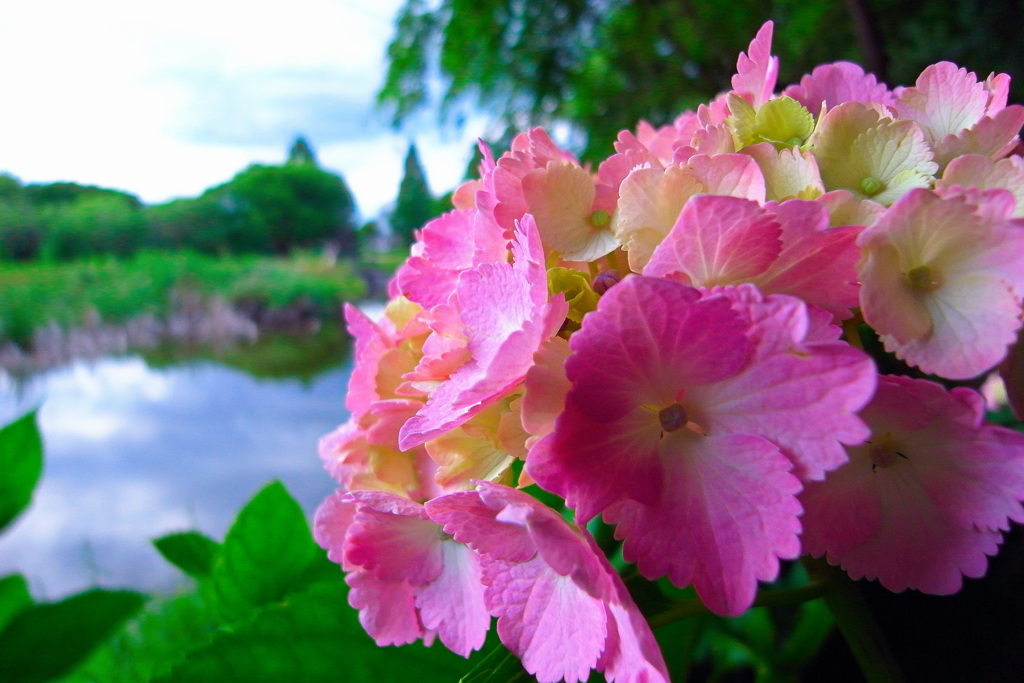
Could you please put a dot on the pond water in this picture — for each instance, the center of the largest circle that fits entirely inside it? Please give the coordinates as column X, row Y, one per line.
column 135, row 450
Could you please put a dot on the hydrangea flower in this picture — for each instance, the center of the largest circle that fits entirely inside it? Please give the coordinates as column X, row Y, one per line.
column 942, row 280
column 561, row 607
column 408, row 580
column 924, row 502
column 506, row 314
column 661, row 343
column 683, row 422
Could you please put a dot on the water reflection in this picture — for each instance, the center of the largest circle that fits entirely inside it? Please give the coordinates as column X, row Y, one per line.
column 133, row 452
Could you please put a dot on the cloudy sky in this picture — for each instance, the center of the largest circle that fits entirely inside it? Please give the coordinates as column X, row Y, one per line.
column 167, row 99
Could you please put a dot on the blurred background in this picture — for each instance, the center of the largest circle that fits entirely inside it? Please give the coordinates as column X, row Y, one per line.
column 189, row 192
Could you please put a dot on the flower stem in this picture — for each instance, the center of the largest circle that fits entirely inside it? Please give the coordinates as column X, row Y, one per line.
column 684, row 609
column 855, row 622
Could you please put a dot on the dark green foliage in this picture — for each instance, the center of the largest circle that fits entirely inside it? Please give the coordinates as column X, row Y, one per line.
column 498, row 666
column 415, row 205
column 10, row 187
column 67, row 193
column 190, row 551
column 67, row 221
column 972, row 33
column 21, row 229
column 267, row 549
column 604, row 66
column 204, row 224
column 274, row 609
column 313, row 636
column 14, row 598
column 21, row 462
column 263, row 209
column 601, row 66
column 92, row 224
column 285, row 207
column 45, row 641
column 301, row 153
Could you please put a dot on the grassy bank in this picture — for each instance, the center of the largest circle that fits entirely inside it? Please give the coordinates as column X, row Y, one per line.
column 33, row 295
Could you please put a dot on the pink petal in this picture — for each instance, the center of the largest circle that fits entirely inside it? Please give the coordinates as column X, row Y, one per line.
column 717, row 241
column 387, row 610
column 396, row 543
column 836, row 83
column 801, row 396
column 547, row 620
column 922, row 504
column 453, row 604
column 728, row 512
column 648, row 339
column 757, row 69
column 331, row 523
column 506, row 314
column 471, row 521
column 816, row 263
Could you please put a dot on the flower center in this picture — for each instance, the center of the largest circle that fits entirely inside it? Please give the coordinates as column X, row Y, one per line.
column 672, row 417
column 924, row 279
column 871, row 186
column 605, row 280
column 884, row 452
column 600, row 219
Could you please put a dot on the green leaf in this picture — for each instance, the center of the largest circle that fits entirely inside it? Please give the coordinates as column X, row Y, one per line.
column 814, row 625
column 21, row 461
column 680, row 641
column 497, row 666
column 46, row 641
column 266, row 551
column 190, row 551
column 14, row 598
column 311, row 636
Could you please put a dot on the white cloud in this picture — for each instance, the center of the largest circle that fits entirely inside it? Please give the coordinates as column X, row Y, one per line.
column 168, row 100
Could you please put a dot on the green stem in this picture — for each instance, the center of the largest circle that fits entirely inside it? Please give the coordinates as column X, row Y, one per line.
column 684, row 609
column 856, row 623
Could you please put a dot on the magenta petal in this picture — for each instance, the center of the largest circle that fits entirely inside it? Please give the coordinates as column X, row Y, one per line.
column 833, row 84
column 506, row 315
column 922, row 504
column 800, row 396
column 593, row 464
column 817, row 264
column 565, row 611
column 727, row 514
column 757, row 69
column 471, row 521
column 648, row 339
column 395, row 547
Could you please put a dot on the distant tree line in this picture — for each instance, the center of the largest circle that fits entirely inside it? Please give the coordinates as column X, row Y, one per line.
column 263, row 209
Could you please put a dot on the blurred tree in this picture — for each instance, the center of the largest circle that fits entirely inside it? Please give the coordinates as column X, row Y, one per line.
column 101, row 222
column 203, row 224
column 602, row 66
column 301, row 153
column 21, row 231
column 10, row 187
column 415, row 204
column 295, row 205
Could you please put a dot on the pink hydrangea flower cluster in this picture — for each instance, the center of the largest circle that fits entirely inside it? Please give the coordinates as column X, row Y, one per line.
column 671, row 343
